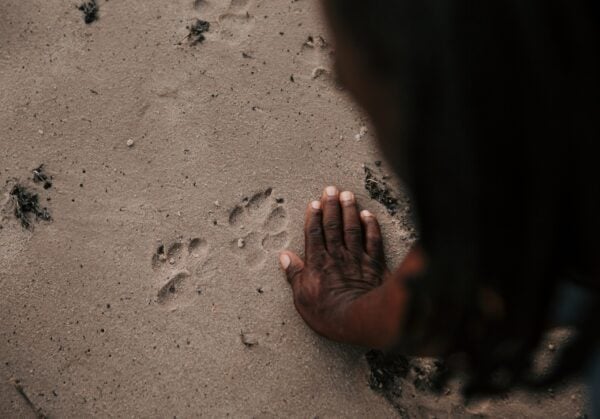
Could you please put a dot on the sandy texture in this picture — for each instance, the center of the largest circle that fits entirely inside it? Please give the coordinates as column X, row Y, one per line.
column 139, row 298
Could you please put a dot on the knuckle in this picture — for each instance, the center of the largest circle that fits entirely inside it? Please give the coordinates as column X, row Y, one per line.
column 314, row 231
column 332, row 225
column 353, row 231
column 294, row 272
column 374, row 238
column 371, row 222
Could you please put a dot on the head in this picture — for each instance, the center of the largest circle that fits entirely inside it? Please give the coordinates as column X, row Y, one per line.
column 488, row 111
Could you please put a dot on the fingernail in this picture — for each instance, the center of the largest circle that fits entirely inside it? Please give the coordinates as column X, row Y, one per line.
column 285, row 261
column 365, row 213
column 331, row 191
column 316, row 205
column 346, row 196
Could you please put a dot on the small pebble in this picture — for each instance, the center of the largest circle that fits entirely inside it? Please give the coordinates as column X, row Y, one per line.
column 172, row 261
column 551, row 347
column 41, row 132
column 130, row 143
column 241, row 243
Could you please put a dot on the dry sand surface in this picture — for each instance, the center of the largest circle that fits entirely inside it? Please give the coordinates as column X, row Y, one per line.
column 178, row 173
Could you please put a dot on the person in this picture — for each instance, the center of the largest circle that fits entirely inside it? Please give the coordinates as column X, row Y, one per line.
column 489, row 112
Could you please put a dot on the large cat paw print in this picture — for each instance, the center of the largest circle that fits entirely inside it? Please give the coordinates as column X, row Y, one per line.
column 261, row 227
column 176, row 265
column 315, row 58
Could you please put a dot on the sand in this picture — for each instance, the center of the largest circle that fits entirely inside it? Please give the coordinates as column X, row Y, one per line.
column 178, row 173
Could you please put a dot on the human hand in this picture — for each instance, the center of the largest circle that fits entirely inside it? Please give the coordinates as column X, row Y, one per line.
column 342, row 289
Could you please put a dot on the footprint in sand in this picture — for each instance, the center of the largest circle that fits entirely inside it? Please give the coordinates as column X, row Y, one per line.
column 261, row 223
column 234, row 23
column 176, row 264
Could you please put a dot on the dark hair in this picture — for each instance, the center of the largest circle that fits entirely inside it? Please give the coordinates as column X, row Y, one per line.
column 498, row 146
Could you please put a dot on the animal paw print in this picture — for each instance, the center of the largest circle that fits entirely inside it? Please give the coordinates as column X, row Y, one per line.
column 234, row 22
column 316, row 57
column 176, row 264
column 262, row 223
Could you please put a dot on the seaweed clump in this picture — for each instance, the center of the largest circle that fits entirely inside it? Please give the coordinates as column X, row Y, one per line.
column 197, row 30
column 40, row 176
column 381, row 192
column 90, row 11
column 385, row 370
column 27, row 205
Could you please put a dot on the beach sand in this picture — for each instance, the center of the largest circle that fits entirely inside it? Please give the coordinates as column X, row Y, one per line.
column 178, row 172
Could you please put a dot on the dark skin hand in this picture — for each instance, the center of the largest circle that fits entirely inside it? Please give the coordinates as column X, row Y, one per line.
column 343, row 289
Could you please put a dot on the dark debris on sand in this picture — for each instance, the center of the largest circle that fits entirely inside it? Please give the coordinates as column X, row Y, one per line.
column 381, row 192
column 40, row 176
column 27, row 205
column 90, row 11
column 197, row 30
column 385, row 369
column 428, row 375
column 392, row 373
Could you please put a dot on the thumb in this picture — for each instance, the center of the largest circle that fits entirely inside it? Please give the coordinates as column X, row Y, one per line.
column 292, row 265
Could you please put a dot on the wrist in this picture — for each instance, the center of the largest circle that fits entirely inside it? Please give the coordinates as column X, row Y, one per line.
column 377, row 317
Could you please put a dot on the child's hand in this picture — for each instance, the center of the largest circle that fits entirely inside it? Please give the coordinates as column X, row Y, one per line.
column 341, row 289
